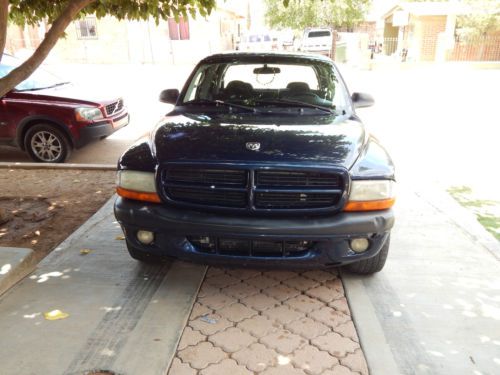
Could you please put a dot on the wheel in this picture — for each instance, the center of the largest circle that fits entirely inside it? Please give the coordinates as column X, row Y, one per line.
column 47, row 144
column 144, row 257
column 371, row 265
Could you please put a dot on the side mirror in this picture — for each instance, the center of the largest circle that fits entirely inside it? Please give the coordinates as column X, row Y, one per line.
column 169, row 96
column 361, row 100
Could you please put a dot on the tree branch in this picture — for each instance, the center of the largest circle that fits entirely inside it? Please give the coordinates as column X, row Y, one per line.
column 24, row 70
column 4, row 15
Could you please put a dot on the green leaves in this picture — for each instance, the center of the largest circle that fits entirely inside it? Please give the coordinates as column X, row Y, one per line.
column 34, row 11
column 299, row 14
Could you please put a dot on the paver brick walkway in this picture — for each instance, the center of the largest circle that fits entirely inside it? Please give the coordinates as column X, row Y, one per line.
column 270, row 323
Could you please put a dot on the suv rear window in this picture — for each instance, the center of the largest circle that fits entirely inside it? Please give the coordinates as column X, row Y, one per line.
column 317, row 34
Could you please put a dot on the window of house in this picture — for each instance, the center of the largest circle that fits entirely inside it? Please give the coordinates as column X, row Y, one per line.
column 86, row 28
column 178, row 30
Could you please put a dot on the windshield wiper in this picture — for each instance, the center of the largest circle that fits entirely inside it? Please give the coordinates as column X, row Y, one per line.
column 297, row 103
column 47, row 87
column 221, row 102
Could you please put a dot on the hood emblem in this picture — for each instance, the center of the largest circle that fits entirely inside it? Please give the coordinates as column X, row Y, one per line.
column 253, row 146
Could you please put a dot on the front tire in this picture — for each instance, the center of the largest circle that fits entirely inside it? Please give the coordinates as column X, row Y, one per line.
column 371, row 265
column 47, row 144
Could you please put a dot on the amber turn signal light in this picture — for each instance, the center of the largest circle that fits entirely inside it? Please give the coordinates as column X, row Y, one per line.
column 138, row 195
column 382, row 204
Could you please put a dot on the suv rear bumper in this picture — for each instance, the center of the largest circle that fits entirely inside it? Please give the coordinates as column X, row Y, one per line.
column 330, row 234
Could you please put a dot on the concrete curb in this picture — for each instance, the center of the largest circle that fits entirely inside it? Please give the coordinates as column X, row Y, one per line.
column 97, row 167
column 15, row 264
column 377, row 352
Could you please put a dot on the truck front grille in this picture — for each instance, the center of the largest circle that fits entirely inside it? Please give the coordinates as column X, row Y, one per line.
column 255, row 189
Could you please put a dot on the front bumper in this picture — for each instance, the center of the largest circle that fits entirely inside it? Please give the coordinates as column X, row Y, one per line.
column 330, row 234
column 101, row 129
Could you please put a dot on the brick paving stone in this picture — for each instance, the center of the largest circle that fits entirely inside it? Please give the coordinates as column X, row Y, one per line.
column 199, row 310
column 232, row 339
column 320, row 275
column 341, row 305
column 280, row 275
column 240, row 290
column 262, row 282
column 282, row 314
column 283, row 341
column 281, row 292
column 237, row 312
column 283, row 370
column 243, row 273
column 301, row 283
column 258, row 325
column 222, row 281
column 217, row 301
column 330, row 317
column 256, row 357
column 312, row 360
column 339, row 370
column 347, row 330
column 190, row 337
column 356, row 362
column 335, row 284
column 335, row 344
column 304, row 303
column 225, row 367
column 179, row 368
column 260, row 302
column 324, row 293
column 215, row 271
column 208, row 328
column 207, row 290
column 308, row 328
column 201, row 355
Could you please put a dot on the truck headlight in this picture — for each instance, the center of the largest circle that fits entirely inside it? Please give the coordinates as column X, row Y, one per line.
column 137, row 185
column 370, row 195
column 88, row 114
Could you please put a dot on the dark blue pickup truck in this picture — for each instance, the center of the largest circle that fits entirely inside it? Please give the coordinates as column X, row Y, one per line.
column 262, row 162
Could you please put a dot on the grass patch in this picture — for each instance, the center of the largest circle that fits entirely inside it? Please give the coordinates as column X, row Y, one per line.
column 487, row 211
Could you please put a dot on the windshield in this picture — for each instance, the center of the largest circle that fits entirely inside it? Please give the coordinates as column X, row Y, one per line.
column 38, row 80
column 311, row 82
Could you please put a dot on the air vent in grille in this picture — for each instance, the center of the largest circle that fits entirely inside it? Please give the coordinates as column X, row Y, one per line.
column 206, row 176
column 208, row 197
column 296, row 178
column 114, row 107
column 288, row 200
column 248, row 247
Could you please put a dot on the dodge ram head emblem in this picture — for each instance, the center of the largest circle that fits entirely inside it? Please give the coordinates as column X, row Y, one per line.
column 253, row 146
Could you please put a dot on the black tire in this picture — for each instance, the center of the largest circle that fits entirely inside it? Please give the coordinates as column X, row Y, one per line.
column 371, row 265
column 144, row 257
column 46, row 144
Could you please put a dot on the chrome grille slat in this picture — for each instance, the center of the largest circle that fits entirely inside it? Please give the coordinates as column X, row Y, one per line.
column 114, row 108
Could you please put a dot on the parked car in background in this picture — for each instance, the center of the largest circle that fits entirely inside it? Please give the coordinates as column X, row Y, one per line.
column 48, row 118
column 263, row 161
column 317, row 40
column 255, row 42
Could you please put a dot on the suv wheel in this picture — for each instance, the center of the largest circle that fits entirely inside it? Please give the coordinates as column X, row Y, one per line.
column 44, row 143
column 371, row 265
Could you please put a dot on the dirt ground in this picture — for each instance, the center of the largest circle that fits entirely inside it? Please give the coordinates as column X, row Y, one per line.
column 43, row 207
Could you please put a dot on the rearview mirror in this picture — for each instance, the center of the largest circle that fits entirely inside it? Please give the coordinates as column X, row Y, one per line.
column 169, row 96
column 361, row 100
column 267, row 70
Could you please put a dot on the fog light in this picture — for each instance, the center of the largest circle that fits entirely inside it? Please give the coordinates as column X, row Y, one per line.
column 359, row 245
column 145, row 237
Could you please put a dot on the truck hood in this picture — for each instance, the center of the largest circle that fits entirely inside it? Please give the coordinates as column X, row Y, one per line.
column 329, row 140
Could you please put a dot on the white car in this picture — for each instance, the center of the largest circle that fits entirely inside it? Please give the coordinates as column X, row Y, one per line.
column 317, row 40
column 256, row 42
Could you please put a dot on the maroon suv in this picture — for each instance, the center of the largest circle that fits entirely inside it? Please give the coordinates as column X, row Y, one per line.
column 47, row 118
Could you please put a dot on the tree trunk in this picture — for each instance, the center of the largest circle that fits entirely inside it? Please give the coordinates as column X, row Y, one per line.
column 24, row 70
column 4, row 14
